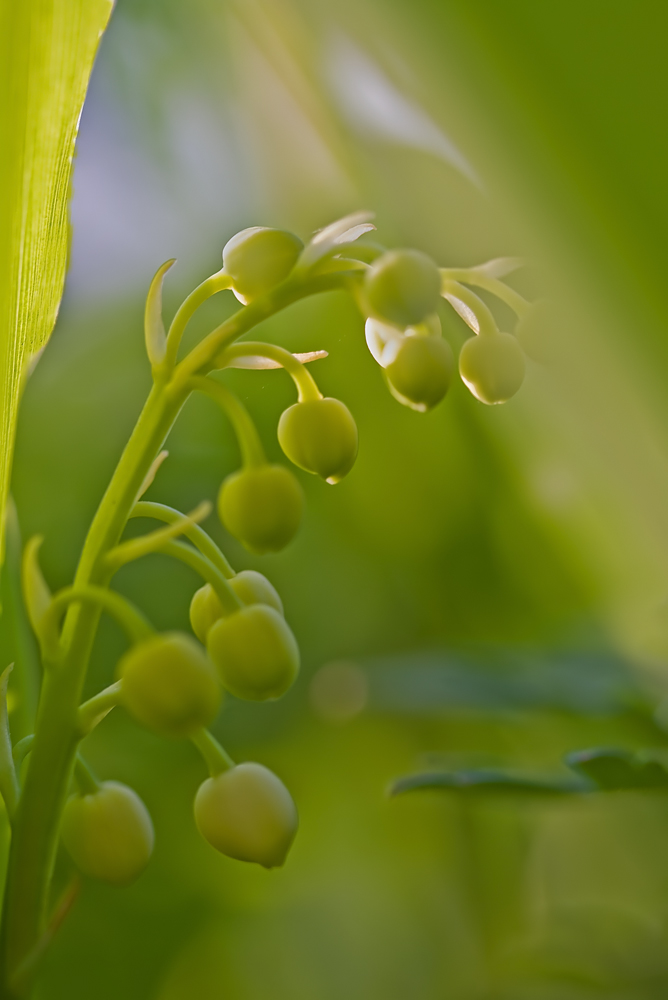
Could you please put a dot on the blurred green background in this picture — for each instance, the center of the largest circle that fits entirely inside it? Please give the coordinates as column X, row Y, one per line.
column 487, row 585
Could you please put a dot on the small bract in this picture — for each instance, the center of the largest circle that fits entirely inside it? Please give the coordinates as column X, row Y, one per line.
column 261, row 506
column 421, row 372
column 320, row 436
column 492, row 366
column 255, row 653
column 108, row 834
column 247, row 813
column 249, row 586
column 259, row 258
column 169, row 684
column 403, row 287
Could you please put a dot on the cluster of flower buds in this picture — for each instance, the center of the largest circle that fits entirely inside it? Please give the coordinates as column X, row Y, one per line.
column 172, row 683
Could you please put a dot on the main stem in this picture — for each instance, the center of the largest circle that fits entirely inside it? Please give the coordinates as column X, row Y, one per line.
column 35, row 834
column 34, row 839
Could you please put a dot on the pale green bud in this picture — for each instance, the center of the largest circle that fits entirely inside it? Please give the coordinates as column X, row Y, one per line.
column 247, row 813
column 108, row 834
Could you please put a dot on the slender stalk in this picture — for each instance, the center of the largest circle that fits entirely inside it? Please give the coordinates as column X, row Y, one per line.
column 197, row 535
column 57, row 731
column 301, row 376
column 474, row 276
column 452, row 290
column 191, row 557
column 250, row 445
column 216, row 758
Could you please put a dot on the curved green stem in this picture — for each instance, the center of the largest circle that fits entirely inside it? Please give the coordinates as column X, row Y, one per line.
column 252, row 452
column 197, row 535
column 216, row 758
column 217, row 282
column 128, row 617
column 84, row 777
column 201, row 358
column 301, row 376
column 472, row 276
column 135, row 548
column 481, row 312
column 191, row 557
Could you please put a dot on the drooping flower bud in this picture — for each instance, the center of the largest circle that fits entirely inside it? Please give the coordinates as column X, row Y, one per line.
column 421, row 372
column 258, row 259
column 248, row 814
column 255, row 653
column 249, row 586
column 262, row 507
column 169, row 684
column 319, row 436
column 108, row 834
column 492, row 366
column 402, row 287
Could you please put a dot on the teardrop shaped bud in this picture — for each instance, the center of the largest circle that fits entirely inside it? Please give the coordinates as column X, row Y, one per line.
column 492, row 366
column 261, row 506
column 108, row 834
column 320, row 436
column 248, row 814
column 421, row 372
column 402, row 287
column 255, row 653
column 258, row 259
column 170, row 685
column 249, row 586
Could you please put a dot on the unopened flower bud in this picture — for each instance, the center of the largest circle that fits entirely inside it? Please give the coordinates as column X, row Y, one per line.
column 402, row 287
column 319, row 436
column 169, row 684
column 262, row 507
column 255, row 653
column 249, row 586
column 492, row 366
column 258, row 259
column 420, row 374
column 108, row 834
column 247, row 813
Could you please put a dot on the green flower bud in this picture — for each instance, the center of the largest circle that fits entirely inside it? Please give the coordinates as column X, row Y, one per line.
column 403, row 287
column 492, row 366
column 420, row 374
column 258, row 259
column 169, row 684
column 108, row 834
column 254, row 588
column 255, row 652
column 262, row 507
column 247, row 813
column 535, row 332
column 320, row 436
column 249, row 586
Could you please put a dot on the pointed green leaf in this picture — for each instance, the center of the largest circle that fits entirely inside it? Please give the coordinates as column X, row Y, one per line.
column 154, row 328
column 36, row 593
column 615, row 770
column 46, row 55
column 488, row 781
